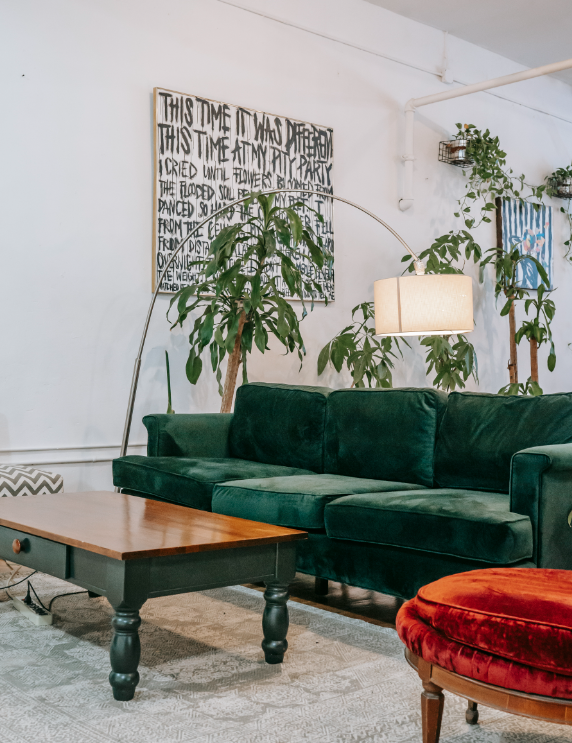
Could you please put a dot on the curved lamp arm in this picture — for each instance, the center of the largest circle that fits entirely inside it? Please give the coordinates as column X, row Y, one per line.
column 419, row 269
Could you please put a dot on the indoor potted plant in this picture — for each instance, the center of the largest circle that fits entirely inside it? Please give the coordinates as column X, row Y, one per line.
column 238, row 296
column 559, row 183
column 456, row 151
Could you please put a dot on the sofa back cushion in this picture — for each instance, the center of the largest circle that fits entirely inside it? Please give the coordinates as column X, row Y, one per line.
column 385, row 434
column 480, row 433
column 280, row 424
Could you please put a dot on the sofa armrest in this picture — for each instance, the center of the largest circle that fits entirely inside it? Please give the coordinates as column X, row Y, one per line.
column 541, row 488
column 193, row 435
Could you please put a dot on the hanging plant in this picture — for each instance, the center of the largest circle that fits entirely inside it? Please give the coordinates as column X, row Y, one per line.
column 369, row 358
column 239, row 300
column 454, row 152
column 489, row 178
column 559, row 185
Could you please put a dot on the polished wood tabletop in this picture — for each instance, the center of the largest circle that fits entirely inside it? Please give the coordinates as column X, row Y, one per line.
column 127, row 527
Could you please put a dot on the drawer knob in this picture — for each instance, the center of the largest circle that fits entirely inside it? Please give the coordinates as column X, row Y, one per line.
column 16, row 546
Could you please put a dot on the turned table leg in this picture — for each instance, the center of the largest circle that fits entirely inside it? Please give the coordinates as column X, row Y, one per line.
column 472, row 713
column 432, row 701
column 275, row 622
column 124, row 653
column 321, row 586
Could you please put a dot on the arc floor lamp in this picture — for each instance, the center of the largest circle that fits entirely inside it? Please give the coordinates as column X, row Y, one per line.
column 406, row 305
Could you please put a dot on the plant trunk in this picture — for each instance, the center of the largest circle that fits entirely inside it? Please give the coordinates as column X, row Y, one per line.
column 534, row 359
column 513, row 361
column 232, row 369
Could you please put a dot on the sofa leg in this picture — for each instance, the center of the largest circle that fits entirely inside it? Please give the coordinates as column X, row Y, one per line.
column 321, row 586
column 432, row 701
column 472, row 713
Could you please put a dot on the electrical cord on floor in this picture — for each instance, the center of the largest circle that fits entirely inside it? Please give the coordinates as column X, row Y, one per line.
column 4, row 588
column 28, row 598
column 30, row 586
column 15, row 570
column 59, row 596
column 39, row 608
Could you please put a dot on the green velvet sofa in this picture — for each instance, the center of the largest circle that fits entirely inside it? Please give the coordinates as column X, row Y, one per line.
column 396, row 488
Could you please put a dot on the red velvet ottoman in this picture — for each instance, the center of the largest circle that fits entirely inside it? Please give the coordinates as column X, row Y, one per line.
column 501, row 637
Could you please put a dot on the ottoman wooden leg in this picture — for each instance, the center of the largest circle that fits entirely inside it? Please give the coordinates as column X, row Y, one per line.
column 472, row 713
column 556, row 709
column 432, row 702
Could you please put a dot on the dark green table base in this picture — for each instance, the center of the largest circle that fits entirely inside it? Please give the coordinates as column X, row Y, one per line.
column 127, row 584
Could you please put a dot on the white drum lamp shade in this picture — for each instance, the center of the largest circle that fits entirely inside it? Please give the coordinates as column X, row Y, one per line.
column 440, row 304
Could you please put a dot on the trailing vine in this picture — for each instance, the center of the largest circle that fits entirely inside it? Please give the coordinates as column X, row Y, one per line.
column 489, row 178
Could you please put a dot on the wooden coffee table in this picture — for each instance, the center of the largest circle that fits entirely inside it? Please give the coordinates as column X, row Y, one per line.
column 129, row 549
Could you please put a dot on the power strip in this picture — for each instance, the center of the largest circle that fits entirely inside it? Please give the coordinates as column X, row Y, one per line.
column 33, row 612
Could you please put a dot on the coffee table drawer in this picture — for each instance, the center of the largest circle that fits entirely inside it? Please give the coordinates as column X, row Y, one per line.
column 35, row 552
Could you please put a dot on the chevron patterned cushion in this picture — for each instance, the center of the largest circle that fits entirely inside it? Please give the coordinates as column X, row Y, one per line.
column 28, row 481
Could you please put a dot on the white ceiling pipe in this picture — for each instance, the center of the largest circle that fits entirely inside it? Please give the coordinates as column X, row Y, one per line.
column 407, row 201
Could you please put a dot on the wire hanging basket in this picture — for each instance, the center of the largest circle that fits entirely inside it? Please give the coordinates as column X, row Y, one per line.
column 454, row 152
column 561, row 187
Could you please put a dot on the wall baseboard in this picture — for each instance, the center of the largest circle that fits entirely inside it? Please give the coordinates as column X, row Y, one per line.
column 66, row 454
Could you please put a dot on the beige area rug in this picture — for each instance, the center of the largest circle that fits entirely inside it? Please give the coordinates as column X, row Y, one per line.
column 204, row 679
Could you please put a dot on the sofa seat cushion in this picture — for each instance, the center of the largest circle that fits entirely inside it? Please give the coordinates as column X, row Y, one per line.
column 480, row 433
column 461, row 523
column 189, row 481
column 385, row 434
column 297, row 501
column 507, row 627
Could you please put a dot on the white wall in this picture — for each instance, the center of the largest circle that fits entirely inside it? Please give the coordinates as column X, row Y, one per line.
column 77, row 79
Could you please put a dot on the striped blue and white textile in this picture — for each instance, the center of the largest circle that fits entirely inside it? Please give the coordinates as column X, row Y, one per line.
column 530, row 230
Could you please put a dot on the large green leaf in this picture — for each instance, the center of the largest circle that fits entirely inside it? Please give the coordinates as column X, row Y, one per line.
column 232, row 332
column 281, row 325
column 206, row 331
column 323, row 358
column 289, row 278
column 260, row 335
column 295, row 224
column 193, row 367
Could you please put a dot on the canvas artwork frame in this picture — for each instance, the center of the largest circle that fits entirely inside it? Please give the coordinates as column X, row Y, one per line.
column 529, row 227
column 209, row 153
